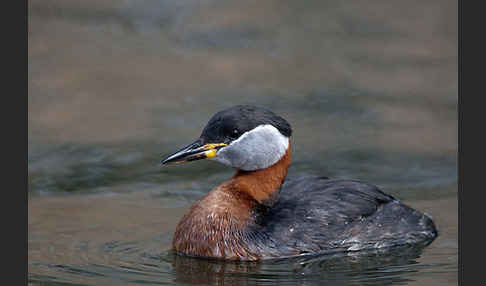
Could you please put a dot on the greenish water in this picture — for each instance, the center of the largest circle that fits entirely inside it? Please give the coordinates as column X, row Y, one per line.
column 370, row 91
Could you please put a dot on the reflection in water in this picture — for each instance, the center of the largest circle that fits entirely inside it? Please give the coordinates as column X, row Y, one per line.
column 385, row 267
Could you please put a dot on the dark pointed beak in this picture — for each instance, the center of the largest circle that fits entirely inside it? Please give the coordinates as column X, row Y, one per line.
column 192, row 152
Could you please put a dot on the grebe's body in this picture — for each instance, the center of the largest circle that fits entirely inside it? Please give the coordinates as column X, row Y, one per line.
column 258, row 215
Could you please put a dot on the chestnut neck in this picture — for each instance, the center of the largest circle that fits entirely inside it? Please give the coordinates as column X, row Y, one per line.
column 216, row 225
column 261, row 185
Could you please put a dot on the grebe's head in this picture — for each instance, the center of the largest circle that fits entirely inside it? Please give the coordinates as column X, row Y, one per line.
column 244, row 137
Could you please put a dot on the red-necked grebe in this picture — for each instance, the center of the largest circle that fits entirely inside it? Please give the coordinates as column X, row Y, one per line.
column 256, row 215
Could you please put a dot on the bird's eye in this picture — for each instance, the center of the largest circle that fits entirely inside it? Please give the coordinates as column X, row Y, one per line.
column 235, row 133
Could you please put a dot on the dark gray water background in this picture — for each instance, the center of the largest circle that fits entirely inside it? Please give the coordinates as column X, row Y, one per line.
column 370, row 88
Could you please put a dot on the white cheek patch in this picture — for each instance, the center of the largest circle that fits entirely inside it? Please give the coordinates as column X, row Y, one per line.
column 256, row 149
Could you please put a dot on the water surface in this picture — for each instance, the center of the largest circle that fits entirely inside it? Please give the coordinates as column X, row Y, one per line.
column 369, row 89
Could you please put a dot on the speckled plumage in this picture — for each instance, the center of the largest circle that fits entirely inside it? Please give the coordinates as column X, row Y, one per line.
column 318, row 215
